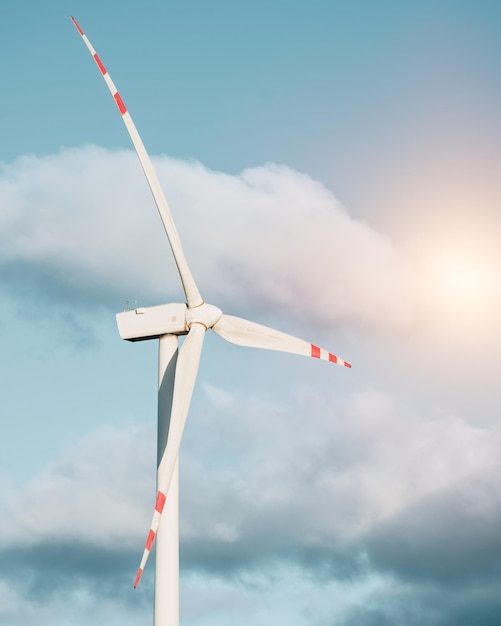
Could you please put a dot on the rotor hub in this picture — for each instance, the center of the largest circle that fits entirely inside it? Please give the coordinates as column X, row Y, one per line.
column 206, row 314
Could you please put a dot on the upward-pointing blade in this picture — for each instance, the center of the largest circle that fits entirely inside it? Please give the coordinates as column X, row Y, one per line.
column 184, row 381
column 193, row 296
column 244, row 333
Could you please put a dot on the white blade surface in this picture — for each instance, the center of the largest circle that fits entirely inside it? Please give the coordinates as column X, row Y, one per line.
column 193, row 296
column 186, row 373
column 244, row 333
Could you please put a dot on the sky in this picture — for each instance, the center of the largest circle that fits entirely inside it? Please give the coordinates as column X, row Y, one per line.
column 333, row 171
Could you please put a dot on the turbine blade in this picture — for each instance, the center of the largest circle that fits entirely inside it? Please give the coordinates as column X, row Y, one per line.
column 193, row 296
column 184, row 381
column 244, row 333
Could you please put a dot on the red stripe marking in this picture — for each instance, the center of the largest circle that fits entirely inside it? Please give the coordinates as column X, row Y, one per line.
column 347, row 365
column 100, row 64
column 159, row 505
column 120, row 103
column 315, row 351
column 138, row 576
column 77, row 26
column 150, row 540
column 332, row 358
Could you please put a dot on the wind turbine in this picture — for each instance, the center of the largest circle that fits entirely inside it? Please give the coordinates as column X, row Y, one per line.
column 177, row 372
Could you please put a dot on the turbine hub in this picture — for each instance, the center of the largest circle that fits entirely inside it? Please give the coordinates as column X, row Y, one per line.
column 205, row 314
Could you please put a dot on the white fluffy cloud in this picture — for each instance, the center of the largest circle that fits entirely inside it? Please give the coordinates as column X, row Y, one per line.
column 309, row 484
column 97, row 492
column 84, row 219
column 289, row 476
column 322, row 471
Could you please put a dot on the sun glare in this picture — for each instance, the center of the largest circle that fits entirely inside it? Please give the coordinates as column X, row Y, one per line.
column 464, row 279
column 467, row 287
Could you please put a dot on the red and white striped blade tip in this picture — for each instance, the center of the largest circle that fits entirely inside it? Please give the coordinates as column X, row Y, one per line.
column 76, row 25
column 159, row 507
column 138, row 576
column 320, row 353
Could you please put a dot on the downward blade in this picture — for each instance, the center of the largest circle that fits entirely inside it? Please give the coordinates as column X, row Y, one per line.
column 184, row 381
column 245, row 333
column 193, row 296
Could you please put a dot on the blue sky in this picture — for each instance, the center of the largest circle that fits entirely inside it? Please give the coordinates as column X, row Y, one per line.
column 333, row 171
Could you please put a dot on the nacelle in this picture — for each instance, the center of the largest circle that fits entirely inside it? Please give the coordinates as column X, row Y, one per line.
column 152, row 322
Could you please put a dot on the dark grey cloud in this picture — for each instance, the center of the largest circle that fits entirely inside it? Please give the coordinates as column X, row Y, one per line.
column 423, row 604
column 53, row 568
column 451, row 537
column 264, row 554
column 479, row 605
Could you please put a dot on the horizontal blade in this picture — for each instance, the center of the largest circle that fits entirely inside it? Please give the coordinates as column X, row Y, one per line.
column 193, row 296
column 245, row 333
column 184, row 381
